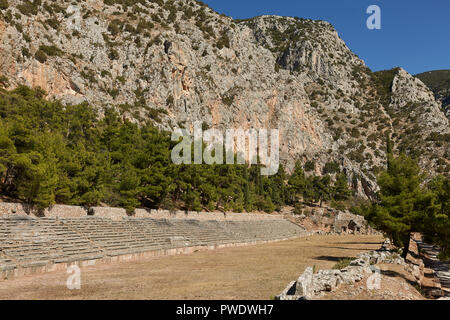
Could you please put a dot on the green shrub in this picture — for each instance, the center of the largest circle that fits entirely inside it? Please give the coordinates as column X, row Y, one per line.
column 443, row 256
column 18, row 27
column 356, row 156
column 26, row 52
column 129, row 28
column 298, row 209
column 223, row 41
column 338, row 205
column 28, row 8
column 51, row 50
column 89, row 75
column 310, row 166
column 3, row 4
column 8, row 16
column 208, row 32
column 228, row 100
column 355, row 133
column 113, row 92
column 52, row 23
column 155, row 114
column 343, row 263
column 331, row 167
column 113, row 54
column 121, row 79
column 155, row 18
column 169, row 100
column 105, row 73
column 4, row 81
column 172, row 17
column 114, row 27
column 40, row 56
column 205, row 126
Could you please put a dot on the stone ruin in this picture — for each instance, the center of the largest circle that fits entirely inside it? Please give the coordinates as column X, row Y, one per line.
column 346, row 222
column 66, row 211
column 326, row 220
column 312, row 285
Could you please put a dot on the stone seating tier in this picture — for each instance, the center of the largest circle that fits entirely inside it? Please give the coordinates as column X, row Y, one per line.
column 36, row 242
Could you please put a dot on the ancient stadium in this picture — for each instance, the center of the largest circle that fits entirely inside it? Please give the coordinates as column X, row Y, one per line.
column 158, row 254
column 207, row 150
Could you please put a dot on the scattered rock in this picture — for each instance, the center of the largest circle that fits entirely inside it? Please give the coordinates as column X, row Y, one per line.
column 310, row 285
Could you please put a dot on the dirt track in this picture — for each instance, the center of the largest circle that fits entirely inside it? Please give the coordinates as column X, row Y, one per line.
column 251, row 272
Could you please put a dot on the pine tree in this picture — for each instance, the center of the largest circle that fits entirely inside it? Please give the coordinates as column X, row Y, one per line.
column 297, row 182
column 247, row 203
column 322, row 188
column 341, row 191
column 398, row 212
column 436, row 228
column 277, row 189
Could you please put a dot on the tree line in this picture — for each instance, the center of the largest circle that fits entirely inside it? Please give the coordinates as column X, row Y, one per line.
column 51, row 153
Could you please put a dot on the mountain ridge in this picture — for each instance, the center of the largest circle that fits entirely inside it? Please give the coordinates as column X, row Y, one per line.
column 439, row 82
column 177, row 62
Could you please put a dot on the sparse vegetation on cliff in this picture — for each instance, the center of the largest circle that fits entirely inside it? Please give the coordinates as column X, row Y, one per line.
column 50, row 153
column 439, row 82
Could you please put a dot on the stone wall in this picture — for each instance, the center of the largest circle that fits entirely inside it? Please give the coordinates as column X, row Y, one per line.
column 56, row 210
column 107, row 212
column 311, row 286
column 7, row 208
column 65, row 211
column 166, row 214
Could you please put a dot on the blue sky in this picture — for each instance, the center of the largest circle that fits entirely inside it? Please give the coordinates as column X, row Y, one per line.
column 415, row 34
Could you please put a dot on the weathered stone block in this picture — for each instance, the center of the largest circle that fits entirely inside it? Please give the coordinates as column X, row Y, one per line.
column 304, row 286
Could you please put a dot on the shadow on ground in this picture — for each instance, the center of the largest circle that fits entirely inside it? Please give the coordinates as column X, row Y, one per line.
column 330, row 258
column 394, row 274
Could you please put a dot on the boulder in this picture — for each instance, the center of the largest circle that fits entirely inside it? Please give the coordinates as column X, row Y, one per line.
column 304, row 285
column 310, row 285
column 289, row 292
column 361, row 262
column 351, row 275
column 326, row 280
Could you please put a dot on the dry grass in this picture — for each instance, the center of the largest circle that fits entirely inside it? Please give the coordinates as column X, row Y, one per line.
column 251, row 272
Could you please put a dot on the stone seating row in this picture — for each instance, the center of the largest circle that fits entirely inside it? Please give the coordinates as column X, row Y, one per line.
column 26, row 242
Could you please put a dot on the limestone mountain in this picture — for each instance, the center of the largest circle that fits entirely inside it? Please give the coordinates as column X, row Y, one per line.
column 439, row 82
column 178, row 61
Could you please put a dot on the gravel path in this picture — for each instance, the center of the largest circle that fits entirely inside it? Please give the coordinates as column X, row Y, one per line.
column 441, row 268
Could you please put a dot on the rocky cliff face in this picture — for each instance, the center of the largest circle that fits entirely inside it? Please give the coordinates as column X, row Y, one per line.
column 179, row 61
column 439, row 82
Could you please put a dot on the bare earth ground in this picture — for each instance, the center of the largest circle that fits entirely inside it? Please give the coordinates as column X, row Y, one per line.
column 251, row 272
